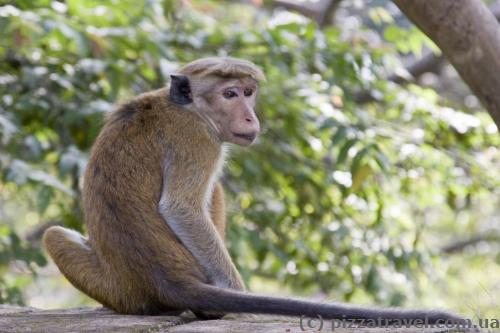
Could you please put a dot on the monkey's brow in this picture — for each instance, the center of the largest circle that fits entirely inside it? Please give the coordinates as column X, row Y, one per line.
column 241, row 81
column 231, row 87
column 239, row 85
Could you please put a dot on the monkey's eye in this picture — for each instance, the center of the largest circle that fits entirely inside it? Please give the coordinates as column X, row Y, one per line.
column 248, row 92
column 229, row 94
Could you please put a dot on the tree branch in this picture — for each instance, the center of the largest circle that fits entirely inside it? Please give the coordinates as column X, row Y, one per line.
column 322, row 11
column 473, row 240
column 430, row 63
column 468, row 34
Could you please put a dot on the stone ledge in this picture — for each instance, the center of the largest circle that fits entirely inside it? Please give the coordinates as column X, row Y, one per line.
column 25, row 319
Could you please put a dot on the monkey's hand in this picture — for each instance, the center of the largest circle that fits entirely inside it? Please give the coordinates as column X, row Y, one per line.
column 235, row 282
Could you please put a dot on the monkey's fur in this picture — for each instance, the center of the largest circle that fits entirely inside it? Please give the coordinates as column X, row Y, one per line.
column 155, row 211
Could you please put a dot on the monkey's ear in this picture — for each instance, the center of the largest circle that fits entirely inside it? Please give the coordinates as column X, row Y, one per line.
column 180, row 90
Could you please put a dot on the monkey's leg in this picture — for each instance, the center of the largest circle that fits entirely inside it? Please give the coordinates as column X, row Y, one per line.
column 218, row 210
column 79, row 264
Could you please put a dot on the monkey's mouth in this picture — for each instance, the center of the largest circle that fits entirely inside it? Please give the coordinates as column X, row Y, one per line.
column 249, row 137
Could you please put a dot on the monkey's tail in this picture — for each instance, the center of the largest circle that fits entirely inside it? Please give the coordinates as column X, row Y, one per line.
column 231, row 301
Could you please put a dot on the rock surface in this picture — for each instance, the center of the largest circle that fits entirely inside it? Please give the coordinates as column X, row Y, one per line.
column 23, row 319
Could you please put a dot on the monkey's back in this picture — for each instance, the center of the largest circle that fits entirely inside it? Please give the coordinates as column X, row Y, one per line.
column 122, row 188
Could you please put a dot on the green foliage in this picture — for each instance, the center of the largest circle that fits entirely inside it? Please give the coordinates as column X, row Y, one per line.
column 334, row 196
column 11, row 250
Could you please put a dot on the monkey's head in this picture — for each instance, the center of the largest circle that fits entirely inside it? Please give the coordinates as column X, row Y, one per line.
column 222, row 91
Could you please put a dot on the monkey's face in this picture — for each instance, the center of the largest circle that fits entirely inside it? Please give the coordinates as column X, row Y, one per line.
column 232, row 109
column 225, row 104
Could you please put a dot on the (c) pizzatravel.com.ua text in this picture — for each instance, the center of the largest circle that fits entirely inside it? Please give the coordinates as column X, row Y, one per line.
column 317, row 324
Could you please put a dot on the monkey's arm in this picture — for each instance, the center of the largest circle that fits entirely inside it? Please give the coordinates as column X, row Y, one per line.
column 190, row 221
column 198, row 234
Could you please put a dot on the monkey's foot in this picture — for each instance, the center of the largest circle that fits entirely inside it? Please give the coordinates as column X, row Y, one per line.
column 208, row 315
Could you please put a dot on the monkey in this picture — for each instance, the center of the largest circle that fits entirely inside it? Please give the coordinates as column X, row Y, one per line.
column 154, row 205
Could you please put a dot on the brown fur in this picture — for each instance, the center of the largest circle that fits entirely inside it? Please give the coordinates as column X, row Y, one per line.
column 218, row 210
column 228, row 67
column 127, row 234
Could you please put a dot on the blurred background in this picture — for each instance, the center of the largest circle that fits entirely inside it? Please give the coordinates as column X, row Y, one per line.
column 375, row 180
